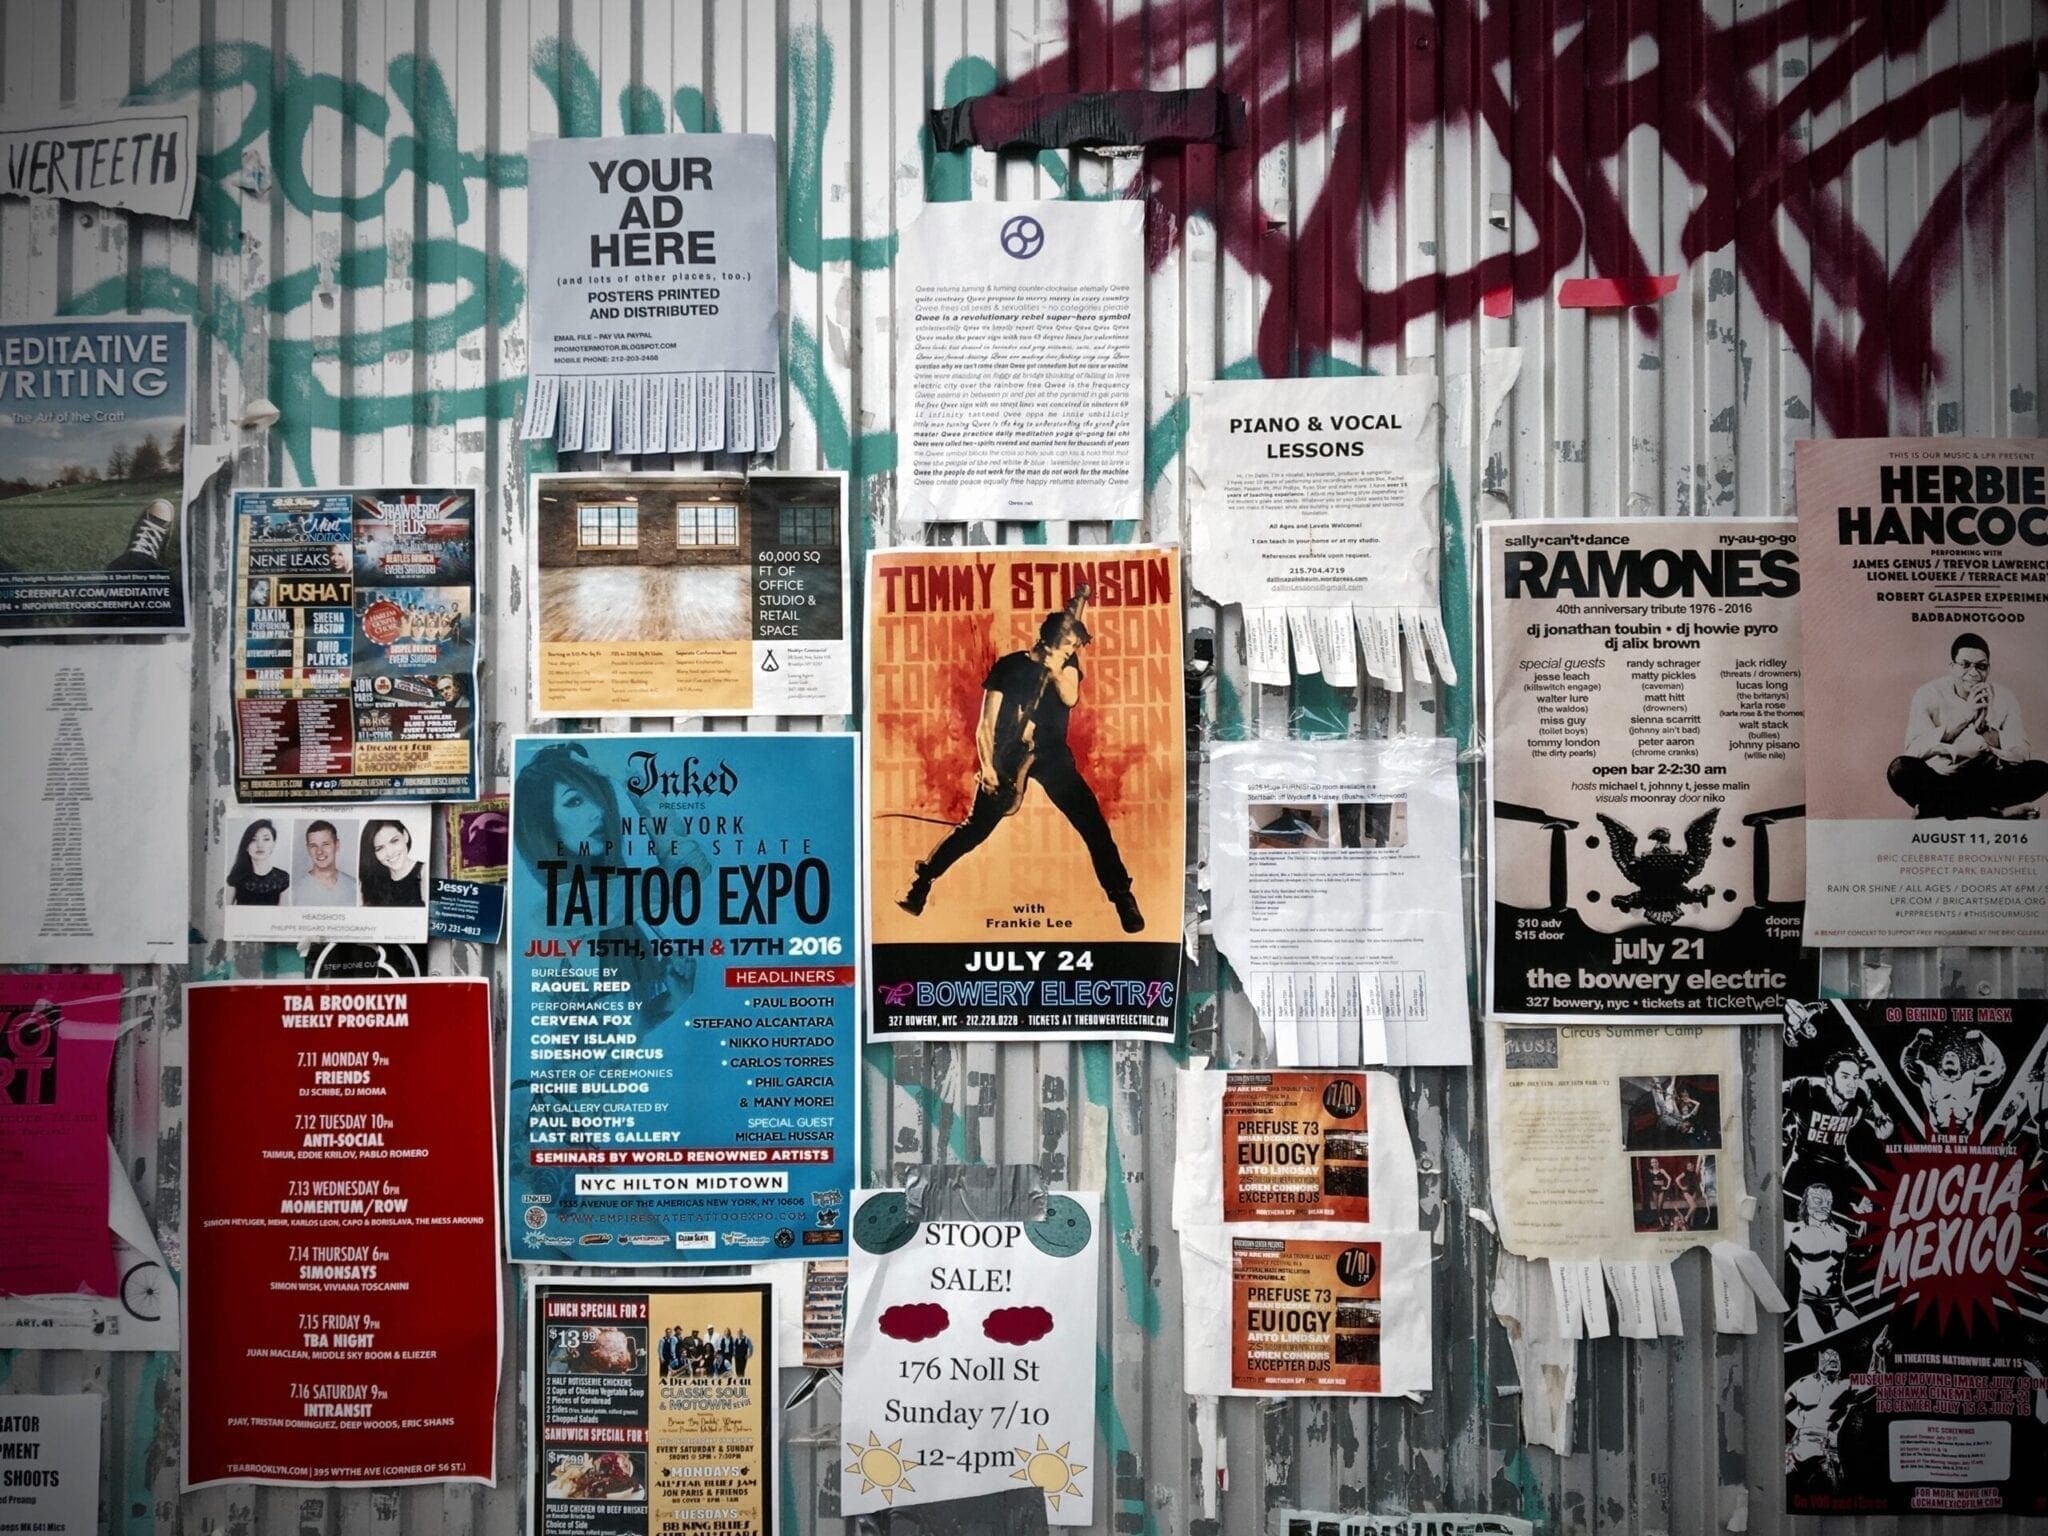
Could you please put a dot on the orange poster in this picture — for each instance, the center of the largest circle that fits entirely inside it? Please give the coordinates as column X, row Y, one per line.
column 1295, row 1147
column 1027, row 817
column 1304, row 1315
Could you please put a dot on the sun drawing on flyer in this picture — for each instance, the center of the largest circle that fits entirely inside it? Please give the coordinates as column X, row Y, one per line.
column 881, row 1466
column 1050, row 1471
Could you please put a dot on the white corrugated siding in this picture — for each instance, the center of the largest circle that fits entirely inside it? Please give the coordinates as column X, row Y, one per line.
column 1853, row 195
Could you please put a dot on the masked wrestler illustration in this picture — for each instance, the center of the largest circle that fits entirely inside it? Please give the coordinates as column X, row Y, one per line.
column 1020, row 739
column 1815, row 1408
column 1951, row 1091
column 1820, row 1114
column 1815, row 1247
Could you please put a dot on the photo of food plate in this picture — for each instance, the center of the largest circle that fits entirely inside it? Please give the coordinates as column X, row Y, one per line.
column 596, row 1474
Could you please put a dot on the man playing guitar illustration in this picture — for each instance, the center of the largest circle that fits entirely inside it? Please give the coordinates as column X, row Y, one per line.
column 1021, row 737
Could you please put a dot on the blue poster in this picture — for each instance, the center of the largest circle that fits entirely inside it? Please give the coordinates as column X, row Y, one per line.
column 684, row 953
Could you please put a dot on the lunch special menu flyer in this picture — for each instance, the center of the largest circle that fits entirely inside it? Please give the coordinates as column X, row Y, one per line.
column 341, row 1240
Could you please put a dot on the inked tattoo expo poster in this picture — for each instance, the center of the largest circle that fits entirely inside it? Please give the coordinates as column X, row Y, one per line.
column 354, row 621
column 1338, row 902
column 970, row 1357
column 57, row 1036
column 1916, row 1257
column 1027, row 779
column 1644, row 784
column 653, row 1407
column 92, row 476
column 684, row 990
column 655, row 284
column 691, row 594
column 341, row 1279
column 1926, row 629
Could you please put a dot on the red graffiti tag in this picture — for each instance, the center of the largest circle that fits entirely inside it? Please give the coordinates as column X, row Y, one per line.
column 1561, row 113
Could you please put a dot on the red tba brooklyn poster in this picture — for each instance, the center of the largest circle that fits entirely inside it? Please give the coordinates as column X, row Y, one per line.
column 342, row 1311
column 1916, row 1257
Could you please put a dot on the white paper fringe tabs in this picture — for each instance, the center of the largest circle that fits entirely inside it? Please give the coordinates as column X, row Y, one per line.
column 1644, row 1295
column 1320, row 639
column 656, row 412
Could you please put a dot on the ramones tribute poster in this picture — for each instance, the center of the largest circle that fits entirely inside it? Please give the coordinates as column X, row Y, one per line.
column 1916, row 1257
column 683, row 980
column 1644, row 709
column 1926, row 638
column 1026, row 792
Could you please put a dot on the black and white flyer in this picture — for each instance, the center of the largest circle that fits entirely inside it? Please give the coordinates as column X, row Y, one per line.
column 1916, row 1257
column 1926, row 635
column 654, row 285
column 1337, row 899
column 1645, row 794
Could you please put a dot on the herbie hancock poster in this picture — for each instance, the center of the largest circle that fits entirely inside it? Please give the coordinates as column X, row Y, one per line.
column 1915, row 1206
column 1026, row 792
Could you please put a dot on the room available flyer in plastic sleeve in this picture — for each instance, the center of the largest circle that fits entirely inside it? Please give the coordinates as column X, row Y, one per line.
column 684, row 984
column 1925, row 617
column 341, row 1285
column 652, row 1407
column 1916, row 1257
column 1646, row 803
column 691, row 594
column 1027, row 780
column 354, row 622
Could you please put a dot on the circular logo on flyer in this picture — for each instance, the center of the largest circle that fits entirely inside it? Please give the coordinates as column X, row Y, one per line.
column 535, row 1218
column 1357, row 1266
column 383, row 620
column 1340, row 1098
column 1023, row 237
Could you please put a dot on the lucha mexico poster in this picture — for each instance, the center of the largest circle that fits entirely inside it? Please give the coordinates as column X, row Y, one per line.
column 1916, row 1257
column 1027, row 779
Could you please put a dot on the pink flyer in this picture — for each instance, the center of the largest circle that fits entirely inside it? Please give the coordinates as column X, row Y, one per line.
column 57, row 1033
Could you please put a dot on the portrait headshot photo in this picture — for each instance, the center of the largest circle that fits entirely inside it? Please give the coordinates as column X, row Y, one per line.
column 1966, row 750
column 323, row 861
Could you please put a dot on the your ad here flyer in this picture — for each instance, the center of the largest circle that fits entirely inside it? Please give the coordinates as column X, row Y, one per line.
column 1926, row 656
column 1645, row 793
column 1027, row 778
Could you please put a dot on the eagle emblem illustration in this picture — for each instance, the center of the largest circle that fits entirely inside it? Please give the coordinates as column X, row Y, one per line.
column 1660, row 872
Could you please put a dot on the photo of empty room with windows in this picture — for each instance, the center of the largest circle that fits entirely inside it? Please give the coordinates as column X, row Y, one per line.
column 720, row 594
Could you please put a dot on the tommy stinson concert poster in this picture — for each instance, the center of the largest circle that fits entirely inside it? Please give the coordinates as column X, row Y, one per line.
column 1916, row 1257
column 1645, row 784
column 1027, row 781
column 1926, row 635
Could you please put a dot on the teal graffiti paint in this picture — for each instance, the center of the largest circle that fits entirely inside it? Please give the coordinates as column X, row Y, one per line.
column 566, row 74
column 803, row 203
column 1139, row 1298
column 1133, row 1515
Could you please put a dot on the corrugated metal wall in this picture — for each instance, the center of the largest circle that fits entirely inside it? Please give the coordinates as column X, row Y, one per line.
column 1853, row 193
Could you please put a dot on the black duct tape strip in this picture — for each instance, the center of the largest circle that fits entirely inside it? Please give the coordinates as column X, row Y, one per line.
column 1204, row 115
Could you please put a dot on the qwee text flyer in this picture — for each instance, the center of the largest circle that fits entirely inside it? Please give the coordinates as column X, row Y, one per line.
column 684, row 966
column 1647, row 832
column 341, row 1237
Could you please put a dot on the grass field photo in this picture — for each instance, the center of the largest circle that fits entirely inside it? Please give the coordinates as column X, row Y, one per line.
column 81, row 527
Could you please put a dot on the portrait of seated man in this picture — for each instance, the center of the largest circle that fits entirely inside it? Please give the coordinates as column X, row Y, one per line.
column 1966, row 746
